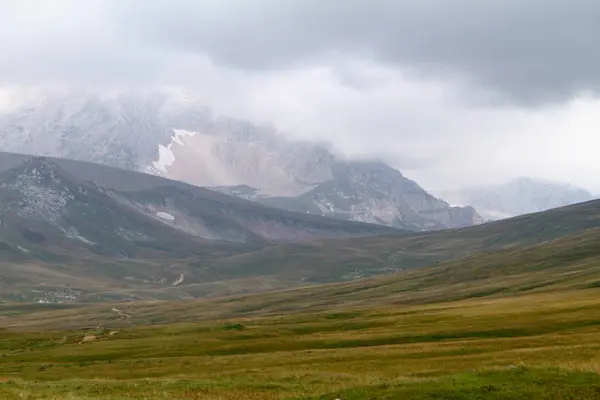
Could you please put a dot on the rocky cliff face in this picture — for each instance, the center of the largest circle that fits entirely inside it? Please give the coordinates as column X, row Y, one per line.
column 175, row 137
column 376, row 193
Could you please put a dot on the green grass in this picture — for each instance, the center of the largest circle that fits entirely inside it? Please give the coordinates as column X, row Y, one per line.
column 536, row 346
column 566, row 264
column 512, row 384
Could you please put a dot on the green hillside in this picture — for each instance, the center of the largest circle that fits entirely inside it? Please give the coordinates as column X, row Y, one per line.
column 570, row 263
column 72, row 230
column 332, row 260
column 220, row 268
column 100, row 233
column 504, row 324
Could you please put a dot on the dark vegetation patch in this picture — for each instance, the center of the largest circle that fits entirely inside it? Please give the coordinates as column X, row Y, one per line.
column 513, row 384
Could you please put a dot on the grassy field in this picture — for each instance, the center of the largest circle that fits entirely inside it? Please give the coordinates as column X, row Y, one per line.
column 535, row 346
column 508, row 324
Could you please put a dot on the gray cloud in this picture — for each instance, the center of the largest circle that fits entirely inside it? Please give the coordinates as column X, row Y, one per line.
column 526, row 51
column 72, row 42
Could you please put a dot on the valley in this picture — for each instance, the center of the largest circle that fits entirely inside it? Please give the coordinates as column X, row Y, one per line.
column 121, row 285
column 513, row 323
column 292, row 306
column 109, row 233
column 299, row 200
column 295, row 274
column 75, row 231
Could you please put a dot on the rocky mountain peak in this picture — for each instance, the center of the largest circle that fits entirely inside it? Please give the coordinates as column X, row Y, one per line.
column 173, row 136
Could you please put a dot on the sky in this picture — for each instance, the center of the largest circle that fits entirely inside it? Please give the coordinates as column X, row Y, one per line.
column 454, row 94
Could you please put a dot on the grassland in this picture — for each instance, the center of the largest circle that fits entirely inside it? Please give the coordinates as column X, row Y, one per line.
column 536, row 346
column 334, row 260
column 508, row 324
column 566, row 264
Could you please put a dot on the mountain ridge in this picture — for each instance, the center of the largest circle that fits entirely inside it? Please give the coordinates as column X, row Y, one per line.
column 180, row 138
column 65, row 219
column 108, row 233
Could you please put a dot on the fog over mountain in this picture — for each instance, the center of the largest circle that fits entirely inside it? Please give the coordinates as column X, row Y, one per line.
column 518, row 196
column 177, row 137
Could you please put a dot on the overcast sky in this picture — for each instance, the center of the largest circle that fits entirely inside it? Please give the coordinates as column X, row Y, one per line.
column 453, row 93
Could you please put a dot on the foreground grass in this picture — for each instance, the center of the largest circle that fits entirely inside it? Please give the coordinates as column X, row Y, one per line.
column 539, row 346
column 518, row 383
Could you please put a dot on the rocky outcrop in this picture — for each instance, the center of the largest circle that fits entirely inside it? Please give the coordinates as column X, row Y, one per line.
column 377, row 193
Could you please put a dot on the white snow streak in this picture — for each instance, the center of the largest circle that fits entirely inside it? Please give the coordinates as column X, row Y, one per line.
column 166, row 158
column 164, row 215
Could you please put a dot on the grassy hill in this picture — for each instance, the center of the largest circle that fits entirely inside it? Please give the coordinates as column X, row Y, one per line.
column 153, row 255
column 102, row 233
column 332, row 260
column 513, row 323
column 75, row 230
column 569, row 263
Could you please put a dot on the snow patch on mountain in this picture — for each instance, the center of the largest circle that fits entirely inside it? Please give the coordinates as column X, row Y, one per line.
column 165, row 153
column 165, row 216
column 194, row 157
column 73, row 233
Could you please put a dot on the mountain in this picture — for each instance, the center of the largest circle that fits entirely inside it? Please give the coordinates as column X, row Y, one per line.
column 332, row 260
column 174, row 136
column 571, row 262
column 569, row 265
column 195, row 211
column 72, row 230
column 518, row 196
column 374, row 192
column 71, row 222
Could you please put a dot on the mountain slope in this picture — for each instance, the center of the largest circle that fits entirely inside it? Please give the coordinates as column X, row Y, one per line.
column 327, row 260
column 376, row 193
column 555, row 270
column 152, row 195
column 111, row 233
column 175, row 137
column 65, row 222
column 519, row 196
